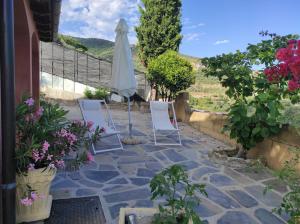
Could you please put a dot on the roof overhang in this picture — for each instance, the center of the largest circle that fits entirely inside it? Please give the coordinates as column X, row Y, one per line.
column 46, row 15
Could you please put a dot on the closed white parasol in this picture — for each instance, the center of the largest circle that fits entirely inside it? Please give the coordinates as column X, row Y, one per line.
column 123, row 79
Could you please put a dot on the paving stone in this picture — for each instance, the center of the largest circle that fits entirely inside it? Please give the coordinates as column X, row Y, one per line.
column 90, row 183
column 240, row 178
column 243, row 198
column 85, row 192
column 142, row 172
column 270, row 198
column 189, row 165
column 106, row 167
column 152, row 147
column 221, row 180
column 131, row 160
column 235, row 217
column 207, row 209
column 121, row 153
column 160, row 156
column 115, row 188
column 220, row 198
column 115, row 209
column 202, row 171
column 144, row 204
column 266, row 217
column 119, row 181
column 128, row 169
column 128, row 195
column 65, row 184
column 155, row 166
column 89, row 166
column 100, row 176
column 261, row 175
column 174, row 156
column 75, row 175
column 209, row 163
column 277, row 185
column 139, row 181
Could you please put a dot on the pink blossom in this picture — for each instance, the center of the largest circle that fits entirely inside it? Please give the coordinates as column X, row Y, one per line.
column 31, row 166
column 49, row 157
column 63, row 153
column 26, row 201
column 39, row 112
column 51, row 166
column 29, row 102
column 33, row 196
column 283, row 69
column 90, row 157
column 284, row 54
column 89, row 124
column 60, row 163
column 35, row 155
column 45, row 147
column 293, row 85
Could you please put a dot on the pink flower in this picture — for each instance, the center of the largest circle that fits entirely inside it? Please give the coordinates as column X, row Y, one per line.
column 45, row 147
column 35, row 155
column 293, row 85
column 292, row 41
column 39, row 112
column 29, row 102
column 34, row 196
column 51, row 166
column 284, row 54
column 60, row 163
column 90, row 157
column 89, row 124
column 283, row 69
column 26, row 201
column 31, row 167
column 49, row 157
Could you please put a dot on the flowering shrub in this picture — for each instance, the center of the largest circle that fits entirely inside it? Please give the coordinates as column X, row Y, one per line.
column 44, row 137
column 288, row 68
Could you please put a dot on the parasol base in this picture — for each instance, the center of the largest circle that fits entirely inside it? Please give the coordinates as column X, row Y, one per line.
column 131, row 140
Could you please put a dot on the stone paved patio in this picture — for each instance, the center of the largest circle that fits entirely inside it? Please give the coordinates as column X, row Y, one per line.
column 121, row 178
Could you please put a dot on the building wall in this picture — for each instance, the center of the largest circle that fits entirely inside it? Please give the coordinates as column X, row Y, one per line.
column 26, row 52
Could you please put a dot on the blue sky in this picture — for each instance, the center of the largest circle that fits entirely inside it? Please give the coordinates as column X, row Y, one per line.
column 210, row 27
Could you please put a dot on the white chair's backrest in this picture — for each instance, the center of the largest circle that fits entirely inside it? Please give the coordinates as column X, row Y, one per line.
column 92, row 110
column 160, row 115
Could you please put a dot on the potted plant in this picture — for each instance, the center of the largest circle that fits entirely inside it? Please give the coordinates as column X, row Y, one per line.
column 179, row 195
column 43, row 138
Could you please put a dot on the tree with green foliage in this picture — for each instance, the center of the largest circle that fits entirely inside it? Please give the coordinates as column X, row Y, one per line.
column 257, row 103
column 172, row 73
column 159, row 29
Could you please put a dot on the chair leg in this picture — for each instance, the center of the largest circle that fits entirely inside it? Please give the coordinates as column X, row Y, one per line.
column 155, row 142
column 120, row 141
column 179, row 137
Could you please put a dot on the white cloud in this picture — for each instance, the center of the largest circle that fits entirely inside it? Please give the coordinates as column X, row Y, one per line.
column 221, row 42
column 96, row 18
column 194, row 26
column 192, row 36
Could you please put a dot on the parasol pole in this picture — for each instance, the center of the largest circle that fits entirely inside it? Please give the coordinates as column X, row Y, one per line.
column 129, row 119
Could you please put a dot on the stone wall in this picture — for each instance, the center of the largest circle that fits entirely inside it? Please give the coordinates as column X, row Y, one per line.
column 275, row 149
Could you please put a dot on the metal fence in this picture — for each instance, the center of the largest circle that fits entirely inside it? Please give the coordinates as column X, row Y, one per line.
column 83, row 68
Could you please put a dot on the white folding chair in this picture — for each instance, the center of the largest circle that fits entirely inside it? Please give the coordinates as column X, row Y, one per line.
column 161, row 120
column 97, row 112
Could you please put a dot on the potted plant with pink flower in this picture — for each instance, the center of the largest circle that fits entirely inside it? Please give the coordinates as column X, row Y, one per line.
column 43, row 138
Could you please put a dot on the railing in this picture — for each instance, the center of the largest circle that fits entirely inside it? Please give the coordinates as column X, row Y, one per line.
column 83, row 68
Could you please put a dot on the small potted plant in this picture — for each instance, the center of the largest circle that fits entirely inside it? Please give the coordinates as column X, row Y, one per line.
column 173, row 186
column 43, row 138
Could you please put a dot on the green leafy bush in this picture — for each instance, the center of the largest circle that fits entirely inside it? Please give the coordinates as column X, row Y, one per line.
column 257, row 103
column 99, row 94
column 291, row 201
column 180, row 195
column 88, row 93
column 171, row 73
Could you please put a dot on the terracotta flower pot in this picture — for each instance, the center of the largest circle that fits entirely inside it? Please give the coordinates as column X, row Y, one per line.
column 39, row 180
